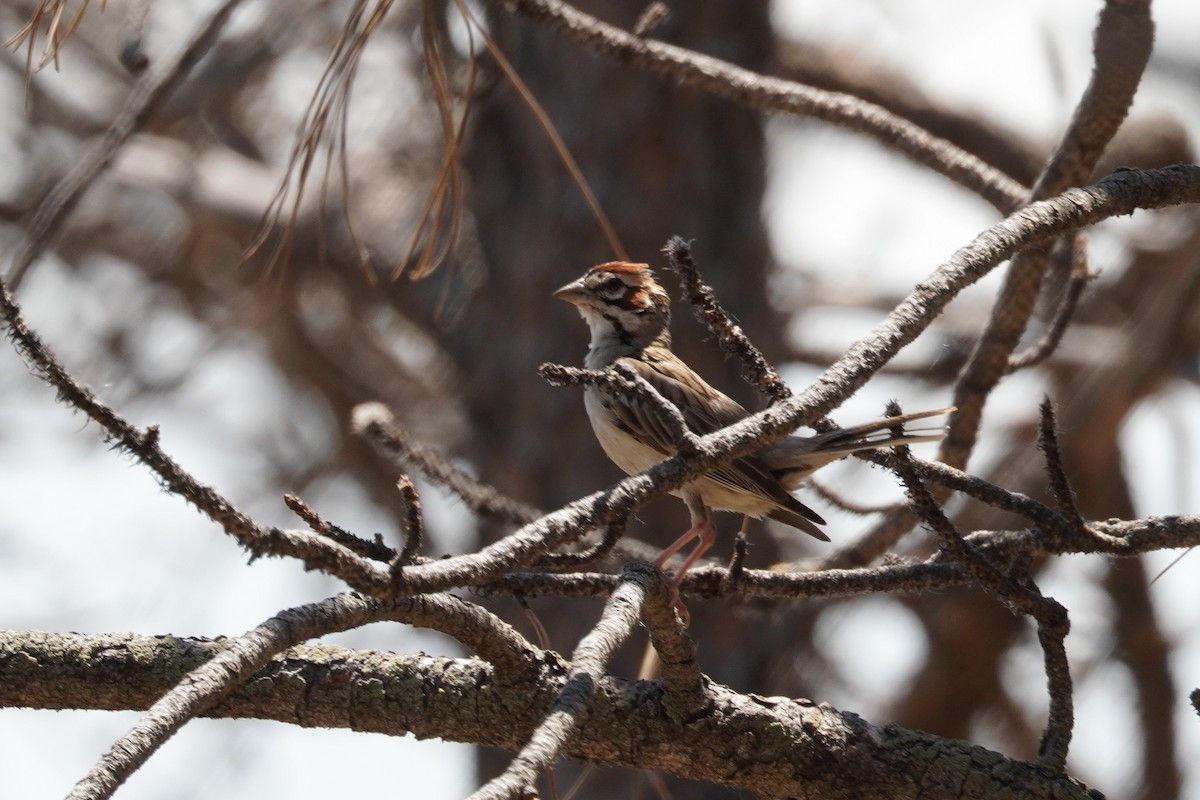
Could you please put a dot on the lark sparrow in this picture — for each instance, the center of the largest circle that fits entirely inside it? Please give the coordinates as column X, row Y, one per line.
column 629, row 313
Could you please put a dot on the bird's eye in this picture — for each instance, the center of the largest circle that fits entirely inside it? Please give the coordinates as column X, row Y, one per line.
column 613, row 287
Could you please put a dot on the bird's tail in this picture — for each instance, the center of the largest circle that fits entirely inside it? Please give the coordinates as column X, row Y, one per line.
column 796, row 457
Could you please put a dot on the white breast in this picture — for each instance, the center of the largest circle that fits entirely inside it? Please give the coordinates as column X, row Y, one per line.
column 632, row 456
column 625, row 451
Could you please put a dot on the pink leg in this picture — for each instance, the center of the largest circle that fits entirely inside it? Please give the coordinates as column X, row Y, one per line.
column 702, row 529
column 694, row 532
column 707, row 535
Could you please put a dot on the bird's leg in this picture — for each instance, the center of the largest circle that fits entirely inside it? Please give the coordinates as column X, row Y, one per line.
column 707, row 534
column 702, row 529
column 694, row 532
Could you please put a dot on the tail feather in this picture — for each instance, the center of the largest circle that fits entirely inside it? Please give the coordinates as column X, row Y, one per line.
column 801, row 517
column 796, row 457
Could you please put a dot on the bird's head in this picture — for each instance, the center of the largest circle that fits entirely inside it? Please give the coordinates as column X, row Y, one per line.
column 620, row 299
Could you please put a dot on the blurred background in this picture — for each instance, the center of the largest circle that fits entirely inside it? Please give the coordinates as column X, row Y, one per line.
column 809, row 234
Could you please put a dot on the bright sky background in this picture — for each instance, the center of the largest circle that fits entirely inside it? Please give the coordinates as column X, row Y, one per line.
column 87, row 539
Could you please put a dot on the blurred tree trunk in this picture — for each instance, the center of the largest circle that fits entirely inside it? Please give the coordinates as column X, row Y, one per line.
column 662, row 162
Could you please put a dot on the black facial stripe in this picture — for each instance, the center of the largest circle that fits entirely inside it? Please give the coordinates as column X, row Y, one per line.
column 622, row 334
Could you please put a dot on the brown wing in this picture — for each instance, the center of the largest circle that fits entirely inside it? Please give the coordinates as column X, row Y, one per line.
column 705, row 410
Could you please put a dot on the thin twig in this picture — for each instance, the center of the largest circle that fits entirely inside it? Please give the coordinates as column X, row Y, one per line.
column 737, row 560
column 413, row 527
column 622, row 379
column 1041, row 515
column 651, row 17
column 400, row 446
column 883, row 536
column 363, row 547
column 835, row 499
column 56, row 34
column 1056, row 475
column 1064, row 312
column 608, row 540
column 1023, row 596
column 729, row 334
column 316, row 552
column 535, row 622
column 556, row 141
column 447, row 191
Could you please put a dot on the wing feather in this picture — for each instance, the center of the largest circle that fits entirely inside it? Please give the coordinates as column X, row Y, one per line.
column 704, row 410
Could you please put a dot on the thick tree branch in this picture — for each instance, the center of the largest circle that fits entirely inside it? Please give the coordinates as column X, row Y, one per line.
column 239, row 658
column 799, row 749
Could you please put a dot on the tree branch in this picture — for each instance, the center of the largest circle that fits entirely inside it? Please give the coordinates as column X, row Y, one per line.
column 750, row 89
column 587, row 668
column 712, row 314
column 799, row 749
column 1124, row 36
column 239, row 658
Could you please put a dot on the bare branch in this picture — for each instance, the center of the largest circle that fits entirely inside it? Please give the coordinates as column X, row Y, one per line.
column 1056, row 475
column 1124, row 36
column 709, row 311
column 376, row 551
column 1064, row 312
column 752, row 90
column 803, row 749
column 608, row 540
column 588, row 664
column 686, row 696
column 1120, row 538
column 835, row 499
column 621, row 379
column 413, row 527
column 1123, row 41
column 238, row 659
column 315, row 552
column 379, row 425
column 1019, row 593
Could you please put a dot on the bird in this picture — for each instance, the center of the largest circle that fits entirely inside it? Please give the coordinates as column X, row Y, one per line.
column 629, row 314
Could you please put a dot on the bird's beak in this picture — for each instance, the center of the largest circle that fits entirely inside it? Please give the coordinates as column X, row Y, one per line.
column 573, row 293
